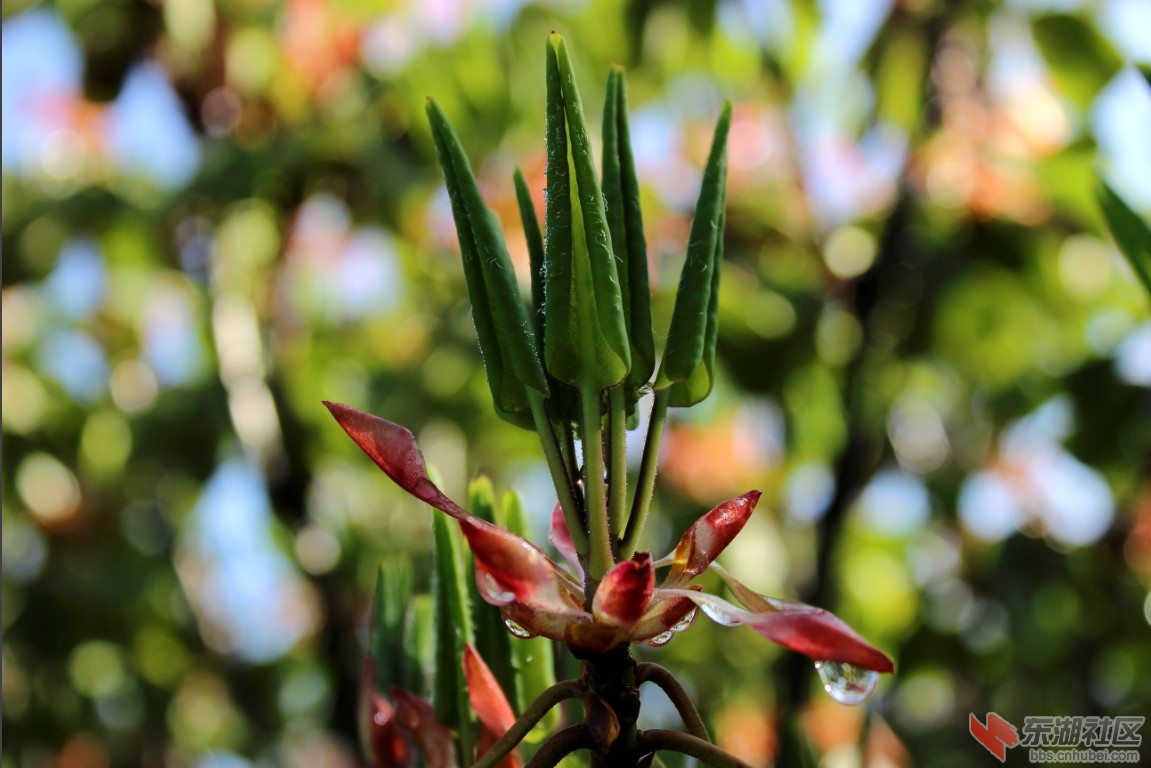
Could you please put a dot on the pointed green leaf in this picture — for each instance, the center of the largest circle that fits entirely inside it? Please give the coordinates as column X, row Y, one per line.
column 453, row 628
column 535, row 663
column 625, row 220
column 493, row 641
column 391, row 654
column 507, row 341
column 1131, row 232
column 1080, row 59
column 697, row 386
column 585, row 341
column 421, row 646
column 562, row 399
column 691, row 338
column 535, row 243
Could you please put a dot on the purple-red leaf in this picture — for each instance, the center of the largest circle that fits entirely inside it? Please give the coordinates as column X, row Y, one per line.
column 709, row 536
column 388, row 744
column 394, row 450
column 508, row 567
column 435, row 740
column 511, row 569
column 625, row 592
column 803, row 628
column 390, row 748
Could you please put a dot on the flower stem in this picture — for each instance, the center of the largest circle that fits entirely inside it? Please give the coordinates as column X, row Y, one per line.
column 561, row 478
column 645, row 483
column 599, row 545
column 617, row 466
column 657, row 740
column 647, row 672
column 567, row 689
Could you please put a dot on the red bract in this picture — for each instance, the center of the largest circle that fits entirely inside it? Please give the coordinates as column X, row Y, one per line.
column 625, row 592
column 435, row 740
column 811, row 631
column 561, row 539
column 397, row 727
column 511, row 569
column 387, row 742
column 543, row 599
column 394, row 450
column 490, row 705
column 709, row 536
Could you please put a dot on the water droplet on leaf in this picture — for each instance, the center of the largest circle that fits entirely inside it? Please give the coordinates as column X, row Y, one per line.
column 491, row 589
column 845, row 683
column 518, row 631
column 685, row 622
column 663, row 638
column 719, row 617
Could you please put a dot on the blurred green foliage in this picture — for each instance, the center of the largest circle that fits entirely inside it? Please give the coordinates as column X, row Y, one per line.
column 932, row 358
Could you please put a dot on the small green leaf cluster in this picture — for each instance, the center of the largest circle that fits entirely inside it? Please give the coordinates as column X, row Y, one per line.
column 577, row 358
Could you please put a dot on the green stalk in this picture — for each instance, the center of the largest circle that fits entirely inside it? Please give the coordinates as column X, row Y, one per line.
column 599, row 552
column 559, row 472
column 617, row 458
column 567, row 449
column 645, row 483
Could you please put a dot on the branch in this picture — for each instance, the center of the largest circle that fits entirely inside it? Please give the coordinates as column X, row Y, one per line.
column 647, row 672
column 617, row 462
column 686, row 744
column 561, row 745
column 561, row 691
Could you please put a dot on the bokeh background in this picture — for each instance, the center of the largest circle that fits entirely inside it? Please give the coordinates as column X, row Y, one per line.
column 934, row 362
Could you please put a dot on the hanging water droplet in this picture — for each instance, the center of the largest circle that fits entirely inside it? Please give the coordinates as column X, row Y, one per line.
column 518, row 631
column 685, row 622
column 491, row 589
column 845, row 683
column 719, row 617
column 663, row 638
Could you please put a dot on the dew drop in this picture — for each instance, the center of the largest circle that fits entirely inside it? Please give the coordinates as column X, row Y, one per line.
column 719, row 617
column 685, row 622
column 845, row 683
column 663, row 638
column 518, row 631
column 491, row 589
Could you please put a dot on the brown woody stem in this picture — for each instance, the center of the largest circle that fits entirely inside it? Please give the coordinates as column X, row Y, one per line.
column 561, row 745
column 659, row 740
column 647, row 672
column 540, row 706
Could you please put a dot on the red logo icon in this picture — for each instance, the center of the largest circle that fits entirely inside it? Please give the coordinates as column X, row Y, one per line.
column 997, row 735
